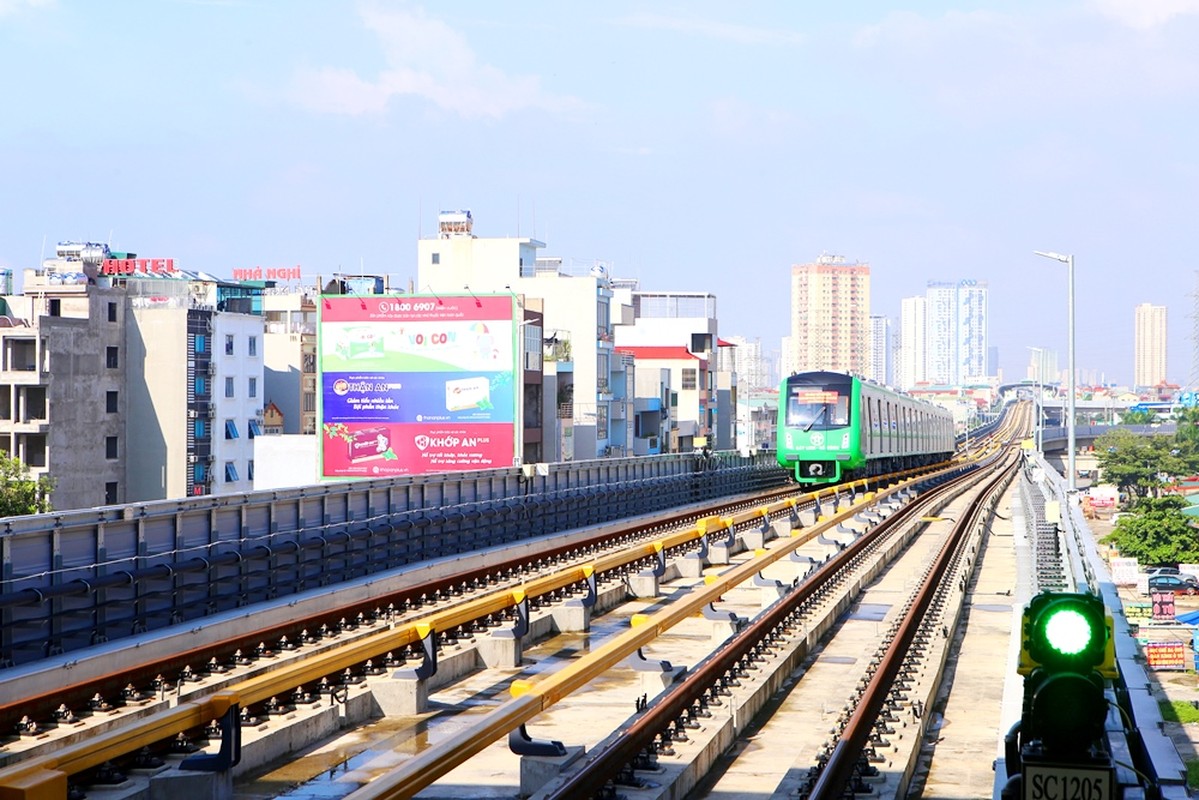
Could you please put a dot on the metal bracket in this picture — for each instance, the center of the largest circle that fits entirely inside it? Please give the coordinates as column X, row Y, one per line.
column 762, row 580
column 428, row 666
column 592, row 588
column 522, row 617
column 522, row 744
column 713, row 613
column 229, row 755
column 660, row 567
column 639, row 662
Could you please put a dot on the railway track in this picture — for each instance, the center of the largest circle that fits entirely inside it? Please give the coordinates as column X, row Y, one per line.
column 661, row 746
column 267, row 681
column 271, row 665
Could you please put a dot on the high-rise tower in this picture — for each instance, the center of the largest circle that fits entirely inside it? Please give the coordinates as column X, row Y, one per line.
column 912, row 338
column 956, row 331
column 881, row 364
column 830, row 315
column 1149, row 359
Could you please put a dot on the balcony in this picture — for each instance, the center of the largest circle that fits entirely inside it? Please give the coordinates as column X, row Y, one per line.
column 556, row 351
column 30, row 425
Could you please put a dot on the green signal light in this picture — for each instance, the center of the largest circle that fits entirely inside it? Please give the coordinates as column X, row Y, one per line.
column 1068, row 632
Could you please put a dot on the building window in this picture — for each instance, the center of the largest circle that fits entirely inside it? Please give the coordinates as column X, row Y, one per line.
column 253, row 345
column 112, row 357
column 229, row 387
column 230, row 429
column 110, row 447
column 110, row 493
column 201, row 385
column 55, row 307
column 201, row 342
column 254, row 428
column 689, row 378
column 253, row 387
column 601, row 421
column 437, row 258
column 198, row 473
column 230, row 472
column 201, row 429
column 110, row 402
column 228, row 344
column 250, row 470
column 674, row 399
column 112, row 312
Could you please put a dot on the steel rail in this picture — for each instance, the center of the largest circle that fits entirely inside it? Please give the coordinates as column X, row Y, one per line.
column 81, row 690
column 838, row 770
column 529, row 700
column 164, row 725
column 45, row 777
column 640, row 734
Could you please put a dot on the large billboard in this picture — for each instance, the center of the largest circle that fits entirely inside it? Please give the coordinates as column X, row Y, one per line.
column 411, row 385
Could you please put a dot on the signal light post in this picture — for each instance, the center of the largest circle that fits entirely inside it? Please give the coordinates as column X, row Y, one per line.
column 1066, row 656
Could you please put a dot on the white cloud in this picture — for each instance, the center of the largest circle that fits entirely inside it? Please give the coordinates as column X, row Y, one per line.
column 633, row 151
column 727, row 31
column 739, row 120
column 1146, row 14
column 425, row 58
column 983, row 66
column 15, row 6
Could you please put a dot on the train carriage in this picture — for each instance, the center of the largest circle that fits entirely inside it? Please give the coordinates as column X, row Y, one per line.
column 834, row 427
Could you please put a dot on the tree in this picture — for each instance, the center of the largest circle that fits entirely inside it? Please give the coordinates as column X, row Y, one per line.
column 1138, row 417
column 20, row 492
column 1187, row 432
column 1139, row 465
column 1157, row 532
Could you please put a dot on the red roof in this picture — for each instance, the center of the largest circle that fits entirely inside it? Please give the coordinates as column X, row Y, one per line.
column 659, row 353
column 722, row 343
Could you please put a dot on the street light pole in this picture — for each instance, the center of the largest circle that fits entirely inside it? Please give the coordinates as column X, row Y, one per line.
column 1038, row 430
column 1071, row 473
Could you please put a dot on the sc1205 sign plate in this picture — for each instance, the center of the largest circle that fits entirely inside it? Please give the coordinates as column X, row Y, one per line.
column 1068, row 782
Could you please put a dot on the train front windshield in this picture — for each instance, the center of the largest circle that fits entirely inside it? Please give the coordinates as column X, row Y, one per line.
column 816, row 408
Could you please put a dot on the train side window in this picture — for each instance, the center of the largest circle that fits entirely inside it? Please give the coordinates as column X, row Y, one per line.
column 874, row 405
column 886, row 426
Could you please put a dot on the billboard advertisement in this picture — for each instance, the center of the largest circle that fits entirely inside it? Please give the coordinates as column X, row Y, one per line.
column 411, row 385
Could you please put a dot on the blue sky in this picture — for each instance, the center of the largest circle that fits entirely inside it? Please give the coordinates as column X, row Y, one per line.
column 701, row 146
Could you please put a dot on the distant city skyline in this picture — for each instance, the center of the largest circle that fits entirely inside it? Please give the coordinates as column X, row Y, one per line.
column 930, row 140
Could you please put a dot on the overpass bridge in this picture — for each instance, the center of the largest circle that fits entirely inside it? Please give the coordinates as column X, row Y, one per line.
column 1054, row 439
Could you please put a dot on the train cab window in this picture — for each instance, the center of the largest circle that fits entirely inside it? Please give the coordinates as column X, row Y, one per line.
column 817, row 408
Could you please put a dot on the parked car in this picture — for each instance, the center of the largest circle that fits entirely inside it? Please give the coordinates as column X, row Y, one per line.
column 1179, row 584
column 1152, row 571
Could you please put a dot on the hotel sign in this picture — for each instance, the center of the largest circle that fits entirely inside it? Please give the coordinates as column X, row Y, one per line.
column 272, row 274
column 131, row 266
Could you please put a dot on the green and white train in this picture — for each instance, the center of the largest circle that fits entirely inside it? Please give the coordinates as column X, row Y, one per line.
column 834, row 427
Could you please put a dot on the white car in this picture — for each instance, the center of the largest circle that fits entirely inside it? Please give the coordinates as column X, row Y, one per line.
column 1154, row 572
